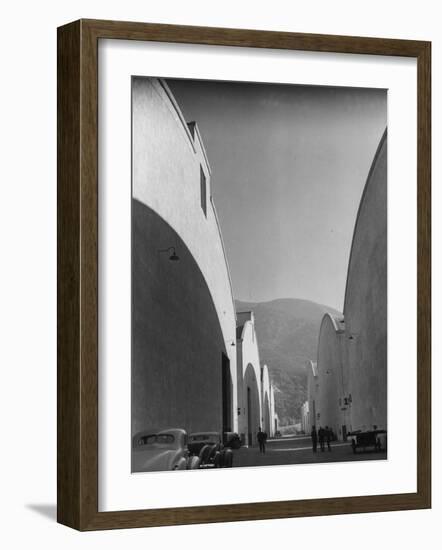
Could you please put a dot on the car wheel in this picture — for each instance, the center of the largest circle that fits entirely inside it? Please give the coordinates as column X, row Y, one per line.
column 205, row 453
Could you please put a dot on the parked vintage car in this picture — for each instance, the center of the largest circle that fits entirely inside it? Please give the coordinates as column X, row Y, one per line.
column 375, row 440
column 210, row 451
column 154, row 451
column 232, row 440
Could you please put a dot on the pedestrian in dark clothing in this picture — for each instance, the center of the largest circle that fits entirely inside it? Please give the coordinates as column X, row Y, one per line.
column 321, row 437
column 328, row 436
column 314, row 437
column 262, row 437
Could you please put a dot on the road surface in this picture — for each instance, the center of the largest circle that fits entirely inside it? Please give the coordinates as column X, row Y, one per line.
column 298, row 450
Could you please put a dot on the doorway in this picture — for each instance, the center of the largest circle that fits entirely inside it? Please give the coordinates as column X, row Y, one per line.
column 249, row 416
column 226, row 385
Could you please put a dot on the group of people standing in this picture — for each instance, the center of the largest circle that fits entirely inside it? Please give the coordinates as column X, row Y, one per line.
column 323, row 435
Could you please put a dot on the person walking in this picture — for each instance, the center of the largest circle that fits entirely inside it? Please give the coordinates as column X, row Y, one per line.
column 264, row 442
column 261, row 437
column 314, row 437
column 321, row 437
column 328, row 437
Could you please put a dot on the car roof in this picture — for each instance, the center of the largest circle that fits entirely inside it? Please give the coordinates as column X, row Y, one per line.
column 204, row 433
column 172, row 431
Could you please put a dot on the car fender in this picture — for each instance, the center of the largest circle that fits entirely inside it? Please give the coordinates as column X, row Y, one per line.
column 228, row 458
column 218, row 459
column 193, row 463
column 181, row 464
column 205, row 454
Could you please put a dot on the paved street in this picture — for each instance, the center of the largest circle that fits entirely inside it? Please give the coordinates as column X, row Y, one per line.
column 298, row 450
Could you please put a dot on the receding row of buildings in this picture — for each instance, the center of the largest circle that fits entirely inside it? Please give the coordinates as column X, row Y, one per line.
column 195, row 360
column 347, row 384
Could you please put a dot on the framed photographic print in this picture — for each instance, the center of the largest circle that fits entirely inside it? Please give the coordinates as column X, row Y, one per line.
column 243, row 274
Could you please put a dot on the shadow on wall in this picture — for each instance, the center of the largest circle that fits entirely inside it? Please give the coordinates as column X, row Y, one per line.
column 177, row 343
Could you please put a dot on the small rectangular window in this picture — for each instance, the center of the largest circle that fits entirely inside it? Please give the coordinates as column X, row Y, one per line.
column 203, row 191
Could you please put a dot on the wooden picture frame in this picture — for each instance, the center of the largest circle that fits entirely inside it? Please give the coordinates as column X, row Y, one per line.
column 77, row 225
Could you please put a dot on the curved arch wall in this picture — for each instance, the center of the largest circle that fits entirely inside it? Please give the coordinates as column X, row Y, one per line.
column 249, row 379
column 267, row 417
column 183, row 312
column 177, row 342
column 365, row 306
column 251, row 399
column 312, row 395
column 273, row 414
column 332, row 377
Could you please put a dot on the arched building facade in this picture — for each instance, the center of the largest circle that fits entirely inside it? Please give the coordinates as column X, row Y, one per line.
column 348, row 390
column 184, row 371
column 256, row 395
column 249, row 378
column 311, row 405
column 195, row 361
column 331, row 372
column 365, row 305
column 266, row 400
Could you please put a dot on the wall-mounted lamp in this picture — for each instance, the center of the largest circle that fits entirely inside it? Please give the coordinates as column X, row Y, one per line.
column 347, row 400
column 173, row 256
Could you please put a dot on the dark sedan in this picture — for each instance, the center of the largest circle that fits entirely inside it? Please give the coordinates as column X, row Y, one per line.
column 211, row 452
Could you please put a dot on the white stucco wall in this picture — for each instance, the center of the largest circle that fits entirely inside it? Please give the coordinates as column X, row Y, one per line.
column 312, row 392
column 166, row 177
column 273, row 414
column 248, row 358
column 250, row 351
column 305, row 419
column 266, row 392
column 332, row 376
column 365, row 306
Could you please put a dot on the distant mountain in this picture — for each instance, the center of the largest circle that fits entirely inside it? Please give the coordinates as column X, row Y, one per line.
column 287, row 331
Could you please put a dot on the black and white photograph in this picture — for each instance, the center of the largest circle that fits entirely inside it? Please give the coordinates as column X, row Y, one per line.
column 259, row 274
column 221, row 253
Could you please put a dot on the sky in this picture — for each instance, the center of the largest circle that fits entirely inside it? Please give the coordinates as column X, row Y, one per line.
column 289, row 164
